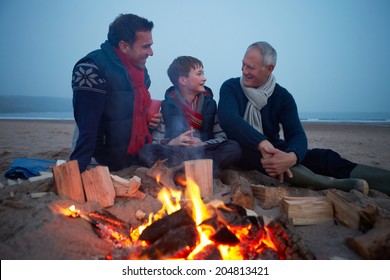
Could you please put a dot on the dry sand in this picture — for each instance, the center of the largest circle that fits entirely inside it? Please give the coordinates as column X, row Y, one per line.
column 31, row 228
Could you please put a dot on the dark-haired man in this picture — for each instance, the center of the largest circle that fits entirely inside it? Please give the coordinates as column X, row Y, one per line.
column 111, row 97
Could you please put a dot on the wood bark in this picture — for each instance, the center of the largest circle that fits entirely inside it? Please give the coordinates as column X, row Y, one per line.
column 375, row 244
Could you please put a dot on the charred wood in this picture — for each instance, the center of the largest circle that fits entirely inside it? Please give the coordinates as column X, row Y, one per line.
column 168, row 223
column 175, row 243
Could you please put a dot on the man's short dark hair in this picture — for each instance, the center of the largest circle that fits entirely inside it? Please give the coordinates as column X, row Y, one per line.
column 125, row 26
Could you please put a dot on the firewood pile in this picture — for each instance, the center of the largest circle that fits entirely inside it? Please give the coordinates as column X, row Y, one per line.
column 175, row 235
column 230, row 223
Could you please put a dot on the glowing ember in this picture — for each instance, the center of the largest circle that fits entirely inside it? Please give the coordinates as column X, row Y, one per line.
column 72, row 212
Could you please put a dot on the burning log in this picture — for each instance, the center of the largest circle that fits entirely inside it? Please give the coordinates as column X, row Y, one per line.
column 175, row 243
column 149, row 185
column 109, row 227
column 68, row 182
column 225, row 236
column 232, row 214
column 166, row 224
column 105, row 225
column 162, row 174
column 209, row 252
column 288, row 243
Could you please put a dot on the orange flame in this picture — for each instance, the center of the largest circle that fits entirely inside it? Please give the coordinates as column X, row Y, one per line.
column 71, row 211
column 172, row 201
column 194, row 200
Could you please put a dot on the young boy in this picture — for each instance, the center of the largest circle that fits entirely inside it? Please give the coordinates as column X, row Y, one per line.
column 189, row 128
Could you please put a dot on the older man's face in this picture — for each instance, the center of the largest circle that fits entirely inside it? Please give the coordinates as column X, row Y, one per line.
column 254, row 72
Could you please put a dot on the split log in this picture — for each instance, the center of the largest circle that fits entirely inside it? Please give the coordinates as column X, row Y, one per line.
column 200, row 171
column 347, row 208
column 98, row 186
column 127, row 188
column 67, row 181
column 356, row 211
column 269, row 197
column 373, row 245
column 307, row 210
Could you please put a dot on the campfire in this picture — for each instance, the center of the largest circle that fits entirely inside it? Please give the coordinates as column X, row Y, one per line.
column 187, row 228
column 190, row 224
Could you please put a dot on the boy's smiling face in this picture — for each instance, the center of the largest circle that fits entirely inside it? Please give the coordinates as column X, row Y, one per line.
column 195, row 81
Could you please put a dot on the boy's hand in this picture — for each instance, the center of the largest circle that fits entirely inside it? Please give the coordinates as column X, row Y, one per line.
column 186, row 139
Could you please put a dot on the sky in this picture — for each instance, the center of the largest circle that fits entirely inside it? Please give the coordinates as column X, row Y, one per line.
column 333, row 55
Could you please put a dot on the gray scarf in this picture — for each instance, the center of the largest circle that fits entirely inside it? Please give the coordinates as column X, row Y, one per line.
column 258, row 98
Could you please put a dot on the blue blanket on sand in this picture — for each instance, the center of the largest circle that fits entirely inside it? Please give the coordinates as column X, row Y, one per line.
column 28, row 167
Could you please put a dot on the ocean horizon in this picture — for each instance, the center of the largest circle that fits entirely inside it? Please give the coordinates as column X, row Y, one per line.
column 356, row 117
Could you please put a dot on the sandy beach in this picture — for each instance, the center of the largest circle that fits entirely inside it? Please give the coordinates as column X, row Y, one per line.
column 29, row 230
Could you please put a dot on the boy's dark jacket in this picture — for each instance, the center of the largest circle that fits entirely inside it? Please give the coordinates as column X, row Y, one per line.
column 175, row 121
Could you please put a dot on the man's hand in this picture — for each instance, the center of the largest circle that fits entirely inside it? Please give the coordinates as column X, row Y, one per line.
column 276, row 162
column 155, row 121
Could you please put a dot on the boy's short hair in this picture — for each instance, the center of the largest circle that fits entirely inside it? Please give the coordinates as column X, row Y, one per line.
column 181, row 66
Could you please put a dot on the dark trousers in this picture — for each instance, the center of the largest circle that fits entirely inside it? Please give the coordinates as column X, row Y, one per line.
column 223, row 154
column 321, row 161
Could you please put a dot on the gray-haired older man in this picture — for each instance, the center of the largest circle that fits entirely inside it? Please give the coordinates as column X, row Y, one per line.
column 253, row 108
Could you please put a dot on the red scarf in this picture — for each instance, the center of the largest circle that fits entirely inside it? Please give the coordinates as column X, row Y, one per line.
column 140, row 134
column 192, row 115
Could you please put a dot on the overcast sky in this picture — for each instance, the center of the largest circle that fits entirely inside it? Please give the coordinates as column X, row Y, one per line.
column 333, row 55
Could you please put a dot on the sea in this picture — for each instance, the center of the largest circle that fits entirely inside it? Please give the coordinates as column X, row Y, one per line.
column 355, row 117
